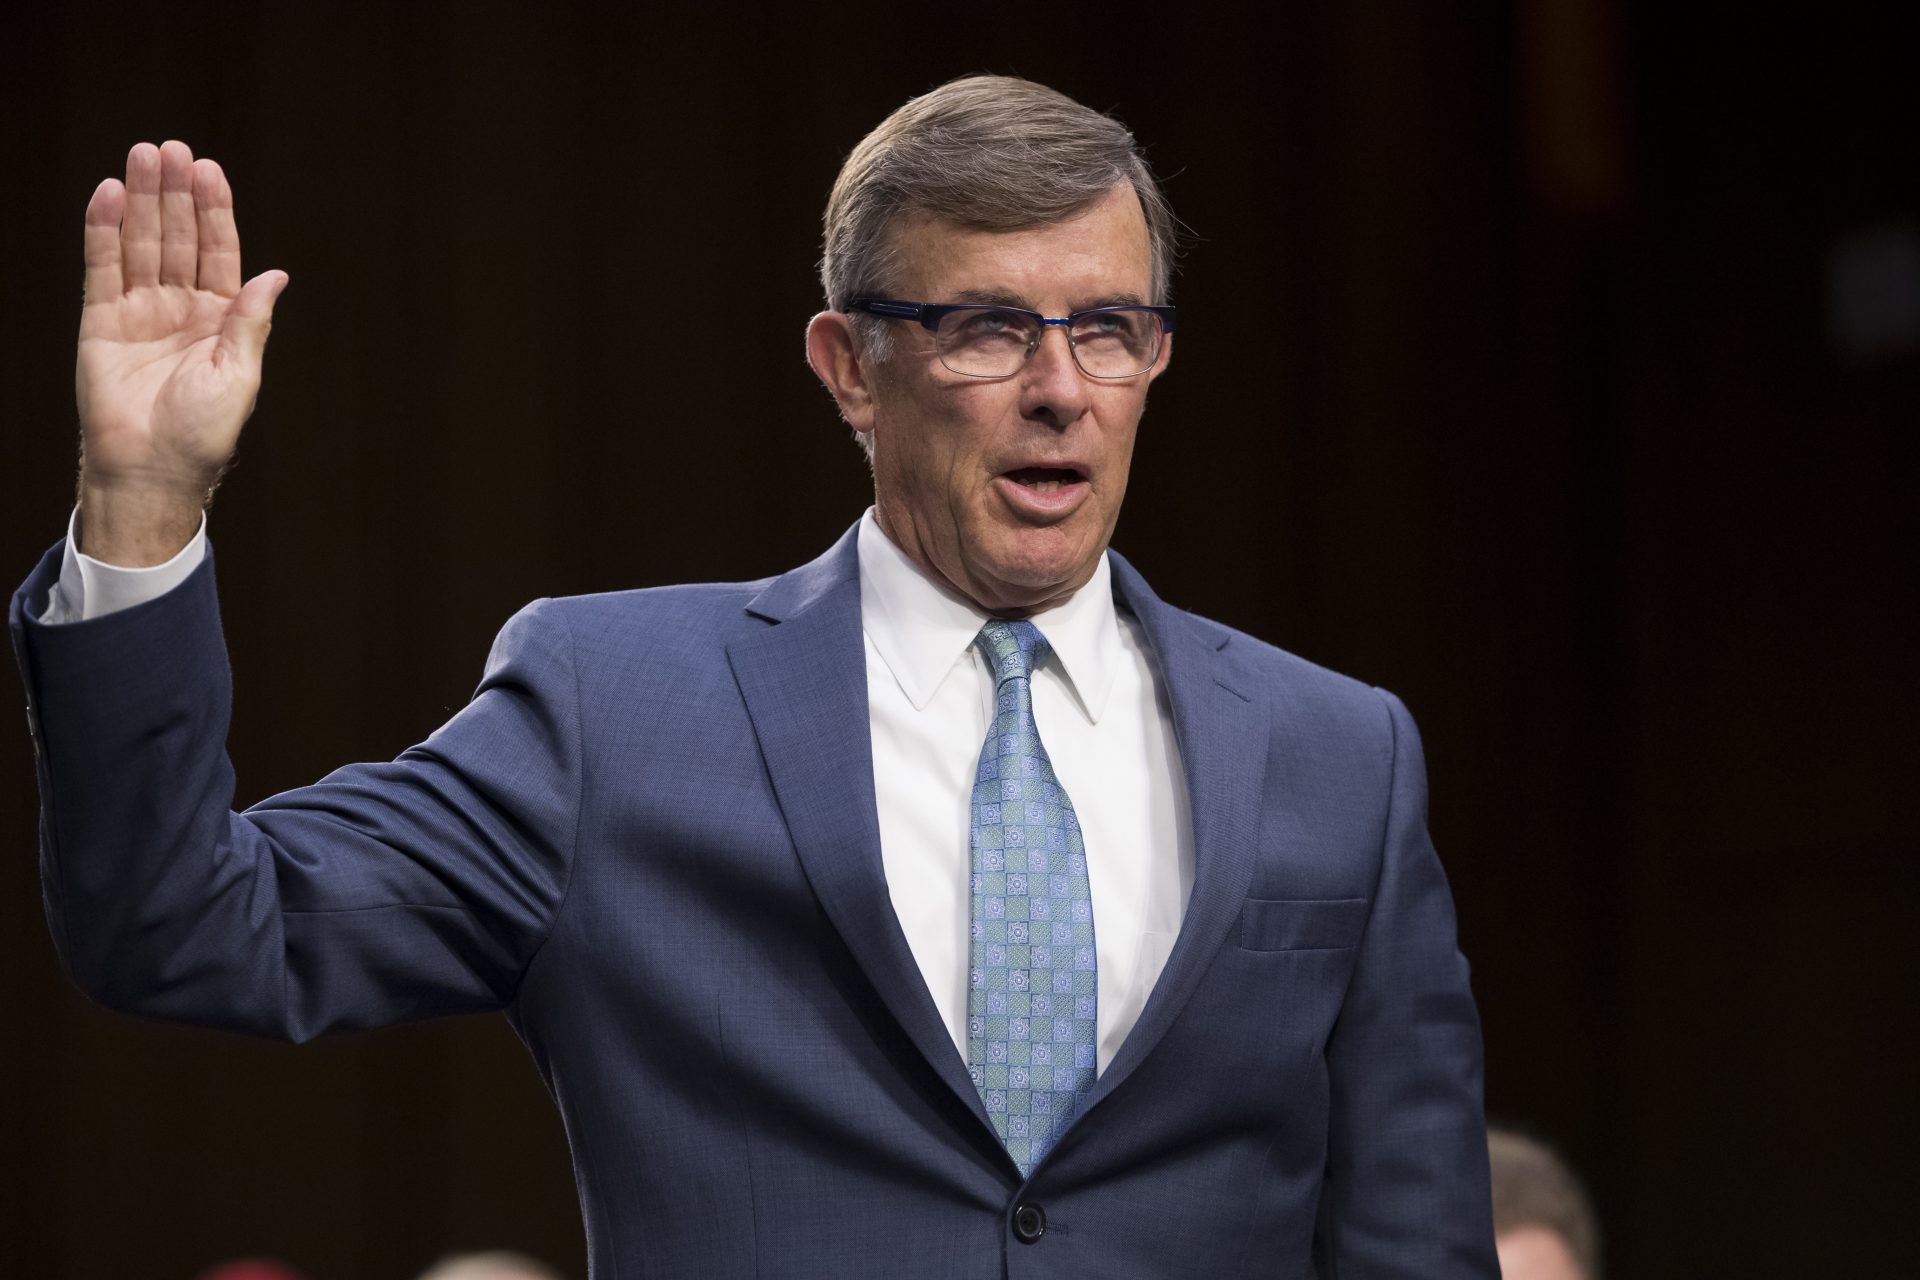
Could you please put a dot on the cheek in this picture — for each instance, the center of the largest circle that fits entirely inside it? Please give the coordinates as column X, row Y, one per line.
column 926, row 456
column 1118, row 441
column 958, row 434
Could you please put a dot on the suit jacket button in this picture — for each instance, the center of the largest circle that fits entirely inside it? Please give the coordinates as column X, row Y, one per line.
column 1029, row 1223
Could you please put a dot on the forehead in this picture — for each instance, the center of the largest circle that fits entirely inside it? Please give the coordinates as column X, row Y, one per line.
column 1100, row 254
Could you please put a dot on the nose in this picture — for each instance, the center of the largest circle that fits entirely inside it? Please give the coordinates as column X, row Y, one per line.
column 1052, row 388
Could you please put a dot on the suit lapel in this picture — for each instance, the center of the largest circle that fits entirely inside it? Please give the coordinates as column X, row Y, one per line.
column 805, row 688
column 1220, row 722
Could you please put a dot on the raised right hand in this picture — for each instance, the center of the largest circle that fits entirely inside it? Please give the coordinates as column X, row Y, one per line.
column 171, row 345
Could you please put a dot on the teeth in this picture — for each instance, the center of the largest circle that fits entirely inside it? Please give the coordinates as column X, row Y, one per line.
column 1044, row 486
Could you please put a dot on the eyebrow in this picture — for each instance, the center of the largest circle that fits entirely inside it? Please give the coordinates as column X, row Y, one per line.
column 1007, row 298
column 993, row 297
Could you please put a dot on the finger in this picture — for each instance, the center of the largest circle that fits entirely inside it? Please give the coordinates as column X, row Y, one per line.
column 219, row 236
column 179, row 240
column 140, row 228
column 103, row 240
column 244, row 335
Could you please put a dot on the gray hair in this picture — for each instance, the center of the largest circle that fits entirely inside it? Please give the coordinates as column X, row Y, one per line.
column 1534, row 1187
column 988, row 153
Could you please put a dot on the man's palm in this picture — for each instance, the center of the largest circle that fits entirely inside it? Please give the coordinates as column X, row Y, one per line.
column 170, row 341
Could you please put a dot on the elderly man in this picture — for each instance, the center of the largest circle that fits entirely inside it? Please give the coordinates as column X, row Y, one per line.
column 949, row 906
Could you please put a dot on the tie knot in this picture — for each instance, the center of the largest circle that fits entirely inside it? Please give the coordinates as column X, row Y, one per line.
column 1012, row 648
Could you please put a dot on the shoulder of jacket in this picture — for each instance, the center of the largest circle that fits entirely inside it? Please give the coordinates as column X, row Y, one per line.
column 1299, row 688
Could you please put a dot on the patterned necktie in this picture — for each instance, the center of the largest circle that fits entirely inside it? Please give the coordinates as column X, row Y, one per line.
column 1030, row 975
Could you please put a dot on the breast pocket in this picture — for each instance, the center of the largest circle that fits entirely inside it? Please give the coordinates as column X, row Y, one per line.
column 1302, row 924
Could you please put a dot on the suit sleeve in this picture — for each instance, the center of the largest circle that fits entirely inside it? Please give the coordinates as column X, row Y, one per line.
column 1406, row 1191
column 384, row 893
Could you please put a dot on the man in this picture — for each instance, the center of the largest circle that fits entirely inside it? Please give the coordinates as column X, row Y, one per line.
column 490, row 1266
column 949, row 906
column 1544, row 1224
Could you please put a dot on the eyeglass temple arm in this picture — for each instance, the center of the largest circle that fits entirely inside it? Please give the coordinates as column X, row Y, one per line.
column 896, row 310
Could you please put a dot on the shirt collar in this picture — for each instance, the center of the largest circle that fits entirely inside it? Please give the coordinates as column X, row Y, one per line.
column 922, row 630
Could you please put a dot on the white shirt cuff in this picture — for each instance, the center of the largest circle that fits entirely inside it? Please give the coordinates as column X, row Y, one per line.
column 90, row 588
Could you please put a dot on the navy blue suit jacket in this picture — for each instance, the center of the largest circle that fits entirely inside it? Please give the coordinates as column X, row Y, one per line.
column 651, row 840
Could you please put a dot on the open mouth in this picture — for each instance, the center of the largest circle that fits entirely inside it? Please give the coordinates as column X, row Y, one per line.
column 1045, row 479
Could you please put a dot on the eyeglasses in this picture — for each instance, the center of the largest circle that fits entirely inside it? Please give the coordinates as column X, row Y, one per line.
column 986, row 340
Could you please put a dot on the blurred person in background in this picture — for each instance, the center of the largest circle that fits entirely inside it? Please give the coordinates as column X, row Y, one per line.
column 252, row 1269
column 494, row 1265
column 1543, row 1220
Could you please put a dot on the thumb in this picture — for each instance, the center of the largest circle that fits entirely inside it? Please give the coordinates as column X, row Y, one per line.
column 244, row 333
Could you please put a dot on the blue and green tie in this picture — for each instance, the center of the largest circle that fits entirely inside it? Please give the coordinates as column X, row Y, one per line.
column 1031, row 993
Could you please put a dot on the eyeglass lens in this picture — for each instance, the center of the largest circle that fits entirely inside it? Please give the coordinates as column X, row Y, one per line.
column 991, row 343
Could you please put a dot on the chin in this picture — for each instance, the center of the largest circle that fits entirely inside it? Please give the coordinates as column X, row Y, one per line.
column 1027, row 580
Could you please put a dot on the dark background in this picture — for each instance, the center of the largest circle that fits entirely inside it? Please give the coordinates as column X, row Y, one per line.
column 1545, row 363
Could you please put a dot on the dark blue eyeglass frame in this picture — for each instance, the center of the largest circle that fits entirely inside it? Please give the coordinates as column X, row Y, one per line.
column 929, row 314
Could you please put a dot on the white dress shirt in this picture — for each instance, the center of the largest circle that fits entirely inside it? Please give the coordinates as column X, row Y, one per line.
column 90, row 588
column 1101, row 709
column 1103, row 716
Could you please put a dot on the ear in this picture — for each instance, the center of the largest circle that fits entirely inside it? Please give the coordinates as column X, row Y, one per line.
column 834, row 352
